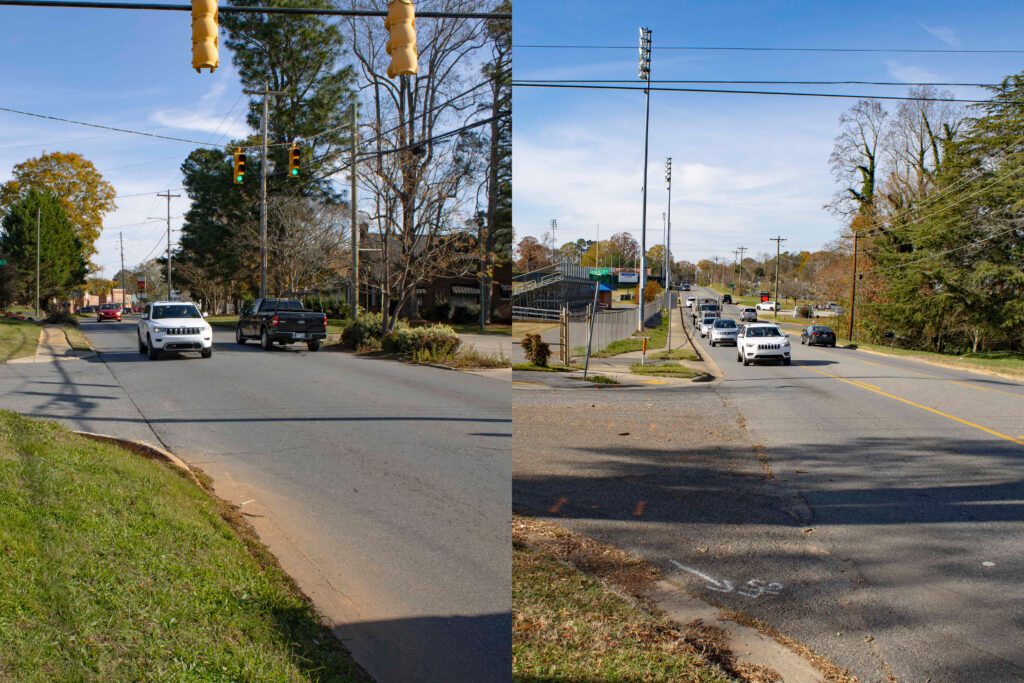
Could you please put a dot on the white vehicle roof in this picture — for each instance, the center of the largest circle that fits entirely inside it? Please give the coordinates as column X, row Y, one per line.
column 761, row 324
column 173, row 303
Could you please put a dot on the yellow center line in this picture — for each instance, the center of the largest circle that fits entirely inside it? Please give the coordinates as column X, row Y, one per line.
column 954, row 381
column 877, row 390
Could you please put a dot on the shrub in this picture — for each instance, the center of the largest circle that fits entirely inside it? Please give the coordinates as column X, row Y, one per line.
column 465, row 314
column 536, row 349
column 803, row 311
column 367, row 327
column 652, row 291
column 439, row 312
column 437, row 340
column 61, row 318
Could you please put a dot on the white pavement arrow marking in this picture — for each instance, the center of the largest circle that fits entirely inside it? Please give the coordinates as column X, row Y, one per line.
column 723, row 586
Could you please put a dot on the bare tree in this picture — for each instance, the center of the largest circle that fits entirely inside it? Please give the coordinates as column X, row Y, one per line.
column 855, row 157
column 419, row 183
column 311, row 243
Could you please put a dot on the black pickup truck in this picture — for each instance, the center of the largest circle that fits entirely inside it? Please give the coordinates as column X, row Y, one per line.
column 284, row 321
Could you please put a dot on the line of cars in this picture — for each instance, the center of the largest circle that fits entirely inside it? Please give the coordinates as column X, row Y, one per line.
column 754, row 341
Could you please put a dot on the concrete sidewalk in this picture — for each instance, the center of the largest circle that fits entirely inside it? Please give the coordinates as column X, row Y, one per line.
column 53, row 346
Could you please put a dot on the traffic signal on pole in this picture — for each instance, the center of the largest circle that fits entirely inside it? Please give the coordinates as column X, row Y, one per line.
column 401, row 26
column 205, row 54
column 239, row 166
column 294, row 160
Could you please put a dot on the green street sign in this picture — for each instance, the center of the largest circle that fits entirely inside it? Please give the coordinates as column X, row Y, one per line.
column 600, row 271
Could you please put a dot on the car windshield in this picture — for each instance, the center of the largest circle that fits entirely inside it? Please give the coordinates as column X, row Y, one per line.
column 709, row 320
column 175, row 311
column 109, row 307
column 721, row 324
column 763, row 332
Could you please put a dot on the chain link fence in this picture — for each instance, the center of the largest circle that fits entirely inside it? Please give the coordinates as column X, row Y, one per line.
column 609, row 326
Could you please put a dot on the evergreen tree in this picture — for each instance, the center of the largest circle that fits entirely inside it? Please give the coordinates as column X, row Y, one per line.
column 62, row 266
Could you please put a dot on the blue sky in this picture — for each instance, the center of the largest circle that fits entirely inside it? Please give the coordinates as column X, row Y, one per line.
column 130, row 69
column 745, row 168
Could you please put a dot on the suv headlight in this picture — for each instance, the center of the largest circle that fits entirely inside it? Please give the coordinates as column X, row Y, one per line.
column 157, row 330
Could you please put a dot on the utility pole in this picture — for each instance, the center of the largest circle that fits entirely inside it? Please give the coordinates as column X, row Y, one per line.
column 39, row 215
column 853, row 285
column 354, row 218
column 668, row 250
column 739, row 271
column 645, row 75
column 778, row 250
column 266, row 92
column 120, row 237
column 168, row 195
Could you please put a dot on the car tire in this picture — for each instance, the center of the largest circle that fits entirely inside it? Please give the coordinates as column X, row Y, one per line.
column 739, row 357
column 833, row 345
column 142, row 347
column 152, row 353
column 239, row 337
column 746, row 361
column 313, row 346
column 787, row 361
column 265, row 341
column 206, row 353
column 712, row 343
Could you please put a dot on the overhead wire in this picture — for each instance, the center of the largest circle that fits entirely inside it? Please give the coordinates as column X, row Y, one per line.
column 747, row 48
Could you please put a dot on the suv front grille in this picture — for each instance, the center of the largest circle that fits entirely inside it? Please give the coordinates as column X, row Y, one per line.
column 178, row 331
column 765, row 347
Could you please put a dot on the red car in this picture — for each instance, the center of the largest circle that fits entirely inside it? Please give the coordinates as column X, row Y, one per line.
column 108, row 312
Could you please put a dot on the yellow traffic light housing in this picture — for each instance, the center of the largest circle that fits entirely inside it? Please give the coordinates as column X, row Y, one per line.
column 239, row 176
column 401, row 26
column 294, row 161
column 205, row 54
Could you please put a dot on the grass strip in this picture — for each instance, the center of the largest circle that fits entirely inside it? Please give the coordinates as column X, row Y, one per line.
column 118, row 568
column 17, row 339
column 570, row 626
column 530, row 367
column 602, row 379
column 674, row 354
column 658, row 338
column 663, row 370
column 76, row 339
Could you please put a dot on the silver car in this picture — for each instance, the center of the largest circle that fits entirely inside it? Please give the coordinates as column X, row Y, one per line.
column 748, row 315
column 724, row 331
column 706, row 323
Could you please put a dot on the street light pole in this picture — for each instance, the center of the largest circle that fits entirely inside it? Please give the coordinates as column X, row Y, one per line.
column 645, row 75
column 668, row 249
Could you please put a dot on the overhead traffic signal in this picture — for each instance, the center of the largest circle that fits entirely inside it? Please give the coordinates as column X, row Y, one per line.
column 205, row 54
column 294, row 160
column 239, row 166
column 401, row 26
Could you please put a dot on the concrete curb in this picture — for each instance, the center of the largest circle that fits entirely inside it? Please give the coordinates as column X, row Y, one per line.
column 146, row 450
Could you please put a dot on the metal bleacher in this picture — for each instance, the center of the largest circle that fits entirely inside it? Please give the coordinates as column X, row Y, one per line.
column 541, row 294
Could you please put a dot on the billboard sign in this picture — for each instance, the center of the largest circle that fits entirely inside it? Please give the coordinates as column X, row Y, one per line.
column 629, row 278
column 142, row 284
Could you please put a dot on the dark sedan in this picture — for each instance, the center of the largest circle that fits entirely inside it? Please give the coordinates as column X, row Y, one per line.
column 818, row 334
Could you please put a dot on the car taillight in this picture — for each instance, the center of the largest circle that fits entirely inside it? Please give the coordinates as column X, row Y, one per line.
column 274, row 321
column 816, row 334
column 325, row 322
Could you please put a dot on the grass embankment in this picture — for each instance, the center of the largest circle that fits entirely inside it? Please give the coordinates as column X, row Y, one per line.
column 117, row 568
column 663, row 370
column 658, row 338
column 1009, row 362
column 17, row 339
column 570, row 626
column 76, row 339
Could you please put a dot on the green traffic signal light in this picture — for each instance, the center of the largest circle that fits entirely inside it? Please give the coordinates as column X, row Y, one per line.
column 295, row 171
column 239, row 178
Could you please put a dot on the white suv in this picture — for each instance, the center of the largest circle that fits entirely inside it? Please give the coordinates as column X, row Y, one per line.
column 762, row 341
column 174, row 326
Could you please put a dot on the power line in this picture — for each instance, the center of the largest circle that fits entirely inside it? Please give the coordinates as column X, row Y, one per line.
column 766, row 49
column 537, row 84
column 760, row 82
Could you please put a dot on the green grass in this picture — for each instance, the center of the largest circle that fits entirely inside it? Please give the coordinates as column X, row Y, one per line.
column 17, row 339
column 674, row 354
column 1010, row 362
column 117, row 568
column 663, row 370
column 602, row 379
column 568, row 627
column 465, row 358
column 76, row 339
column 530, row 367
column 474, row 328
column 658, row 339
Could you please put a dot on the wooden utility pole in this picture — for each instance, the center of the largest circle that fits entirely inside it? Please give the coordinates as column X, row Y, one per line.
column 168, row 195
column 120, row 237
column 778, row 250
column 354, row 218
column 739, row 271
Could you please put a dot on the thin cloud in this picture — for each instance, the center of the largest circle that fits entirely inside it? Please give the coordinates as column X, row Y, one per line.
column 945, row 34
column 909, row 73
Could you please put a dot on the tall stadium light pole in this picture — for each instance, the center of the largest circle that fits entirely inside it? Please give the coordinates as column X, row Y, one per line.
column 668, row 250
column 645, row 75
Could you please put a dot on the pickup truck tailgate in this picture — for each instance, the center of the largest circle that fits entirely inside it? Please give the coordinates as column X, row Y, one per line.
column 302, row 322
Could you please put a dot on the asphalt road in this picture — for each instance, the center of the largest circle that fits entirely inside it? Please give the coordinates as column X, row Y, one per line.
column 869, row 506
column 382, row 487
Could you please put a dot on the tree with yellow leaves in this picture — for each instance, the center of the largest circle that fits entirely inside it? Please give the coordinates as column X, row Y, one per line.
column 85, row 196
